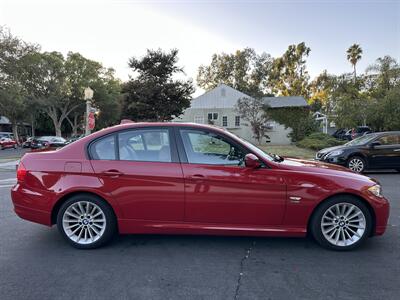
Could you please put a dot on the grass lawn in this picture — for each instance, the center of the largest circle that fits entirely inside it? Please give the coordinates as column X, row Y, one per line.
column 289, row 150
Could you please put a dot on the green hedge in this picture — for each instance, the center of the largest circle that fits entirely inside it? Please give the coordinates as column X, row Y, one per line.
column 318, row 141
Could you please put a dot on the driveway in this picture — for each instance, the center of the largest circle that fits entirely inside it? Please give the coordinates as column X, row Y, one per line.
column 35, row 263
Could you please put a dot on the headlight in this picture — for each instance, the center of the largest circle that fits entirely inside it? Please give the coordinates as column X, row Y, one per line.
column 335, row 153
column 376, row 190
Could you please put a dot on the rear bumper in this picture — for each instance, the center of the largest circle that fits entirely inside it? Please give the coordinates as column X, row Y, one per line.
column 31, row 206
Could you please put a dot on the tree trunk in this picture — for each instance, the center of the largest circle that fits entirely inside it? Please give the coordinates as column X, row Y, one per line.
column 75, row 126
column 355, row 73
column 15, row 131
column 58, row 129
column 33, row 126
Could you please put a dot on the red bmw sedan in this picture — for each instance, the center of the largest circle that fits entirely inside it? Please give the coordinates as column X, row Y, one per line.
column 175, row 178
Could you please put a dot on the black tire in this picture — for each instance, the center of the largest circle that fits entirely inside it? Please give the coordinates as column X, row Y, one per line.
column 110, row 220
column 316, row 226
column 355, row 161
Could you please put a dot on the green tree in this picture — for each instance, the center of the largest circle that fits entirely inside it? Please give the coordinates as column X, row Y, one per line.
column 321, row 93
column 154, row 94
column 354, row 54
column 14, row 58
column 352, row 106
column 244, row 70
column 289, row 75
column 59, row 83
column 251, row 110
column 299, row 119
column 385, row 74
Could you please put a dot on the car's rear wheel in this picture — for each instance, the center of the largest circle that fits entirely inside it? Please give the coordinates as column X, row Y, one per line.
column 86, row 221
column 356, row 164
column 341, row 223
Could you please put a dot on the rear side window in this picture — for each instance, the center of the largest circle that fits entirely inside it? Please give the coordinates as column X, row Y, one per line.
column 151, row 145
column 104, row 149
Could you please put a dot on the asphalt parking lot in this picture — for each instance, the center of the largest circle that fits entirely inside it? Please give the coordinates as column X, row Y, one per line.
column 36, row 263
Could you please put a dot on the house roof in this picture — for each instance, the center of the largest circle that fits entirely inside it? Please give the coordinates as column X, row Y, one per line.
column 223, row 96
column 288, row 101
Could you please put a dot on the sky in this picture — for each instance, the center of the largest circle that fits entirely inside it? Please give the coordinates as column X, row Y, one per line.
column 113, row 31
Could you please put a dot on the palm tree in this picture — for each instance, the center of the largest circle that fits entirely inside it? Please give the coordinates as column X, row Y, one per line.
column 353, row 56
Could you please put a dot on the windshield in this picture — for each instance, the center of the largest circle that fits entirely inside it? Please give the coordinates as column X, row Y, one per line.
column 252, row 147
column 362, row 140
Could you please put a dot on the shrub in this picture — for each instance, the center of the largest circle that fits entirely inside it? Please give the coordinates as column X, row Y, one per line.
column 318, row 141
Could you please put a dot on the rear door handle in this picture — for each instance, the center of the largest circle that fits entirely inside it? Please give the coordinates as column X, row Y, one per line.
column 112, row 173
column 396, row 150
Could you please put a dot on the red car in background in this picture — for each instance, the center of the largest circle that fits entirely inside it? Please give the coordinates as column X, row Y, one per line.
column 6, row 142
column 175, row 178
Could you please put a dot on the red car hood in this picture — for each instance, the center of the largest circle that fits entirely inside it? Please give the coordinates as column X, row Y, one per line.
column 321, row 168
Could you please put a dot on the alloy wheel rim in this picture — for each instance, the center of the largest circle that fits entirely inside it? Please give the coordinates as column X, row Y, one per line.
column 84, row 222
column 356, row 165
column 343, row 224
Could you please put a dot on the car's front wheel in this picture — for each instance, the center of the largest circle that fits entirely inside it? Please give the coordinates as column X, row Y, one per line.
column 86, row 221
column 356, row 164
column 341, row 223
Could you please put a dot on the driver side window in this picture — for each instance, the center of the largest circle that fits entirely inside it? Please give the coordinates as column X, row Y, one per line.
column 208, row 148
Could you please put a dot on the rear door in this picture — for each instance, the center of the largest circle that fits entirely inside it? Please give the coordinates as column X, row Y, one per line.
column 140, row 168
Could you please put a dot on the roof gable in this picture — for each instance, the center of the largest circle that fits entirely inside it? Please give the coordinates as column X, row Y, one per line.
column 223, row 96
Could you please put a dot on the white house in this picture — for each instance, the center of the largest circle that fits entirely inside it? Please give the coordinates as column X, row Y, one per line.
column 217, row 106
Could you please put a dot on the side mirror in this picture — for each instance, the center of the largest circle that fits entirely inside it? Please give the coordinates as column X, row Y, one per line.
column 252, row 161
column 374, row 144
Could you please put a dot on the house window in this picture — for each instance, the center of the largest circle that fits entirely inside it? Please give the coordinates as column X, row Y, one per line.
column 212, row 116
column 237, row 121
column 224, row 121
column 199, row 119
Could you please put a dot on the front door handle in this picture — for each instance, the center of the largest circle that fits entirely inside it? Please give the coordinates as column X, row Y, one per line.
column 112, row 173
column 396, row 150
column 197, row 177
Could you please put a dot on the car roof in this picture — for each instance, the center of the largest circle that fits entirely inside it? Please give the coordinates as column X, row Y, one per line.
column 159, row 124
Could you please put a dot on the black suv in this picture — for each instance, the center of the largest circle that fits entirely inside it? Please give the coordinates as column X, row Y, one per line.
column 379, row 150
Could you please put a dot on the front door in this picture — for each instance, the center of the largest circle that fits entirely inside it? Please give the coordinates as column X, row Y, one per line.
column 387, row 154
column 220, row 189
column 140, row 168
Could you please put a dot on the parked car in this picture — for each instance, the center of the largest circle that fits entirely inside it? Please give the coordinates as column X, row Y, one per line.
column 9, row 135
column 74, row 138
column 354, row 133
column 48, row 142
column 340, row 133
column 27, row 142
column 379, row 150
column 177, row 178
column 6, row 142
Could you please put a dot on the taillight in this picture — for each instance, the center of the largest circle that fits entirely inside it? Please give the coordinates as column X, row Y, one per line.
column 21, row 172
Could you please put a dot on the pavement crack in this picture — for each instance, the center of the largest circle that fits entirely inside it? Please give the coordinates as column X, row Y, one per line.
column 241, row 271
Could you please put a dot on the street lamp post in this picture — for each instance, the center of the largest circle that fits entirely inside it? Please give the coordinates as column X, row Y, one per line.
column 88, row 96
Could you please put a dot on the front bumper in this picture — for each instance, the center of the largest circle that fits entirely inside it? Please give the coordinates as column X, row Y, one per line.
column 337, row 160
